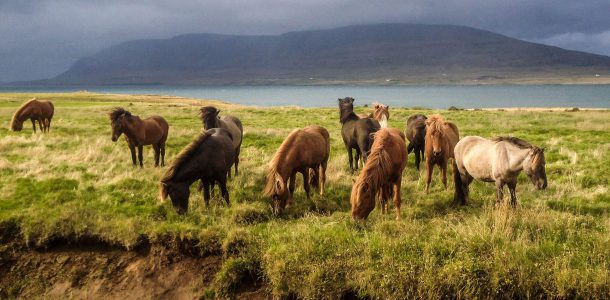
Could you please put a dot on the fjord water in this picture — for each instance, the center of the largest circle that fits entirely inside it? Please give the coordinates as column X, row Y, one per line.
column 476, row 96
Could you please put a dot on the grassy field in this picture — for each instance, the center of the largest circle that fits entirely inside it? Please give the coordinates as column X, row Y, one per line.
column 75, row 182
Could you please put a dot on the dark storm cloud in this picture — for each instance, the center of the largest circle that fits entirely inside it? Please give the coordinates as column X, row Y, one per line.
column 42, row 38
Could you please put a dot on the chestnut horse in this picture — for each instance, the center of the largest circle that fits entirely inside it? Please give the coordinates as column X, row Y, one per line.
column 416, row 134
column 209, row 116
column 381, row 113
column 441, row 137
column 382, row 174
column 208, row 158
column 500, row 161
column 303, row 150
column 356, row 132
column 138, row 133
column 35, row 110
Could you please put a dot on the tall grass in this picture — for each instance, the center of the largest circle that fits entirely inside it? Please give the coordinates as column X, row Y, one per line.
column 75, row 182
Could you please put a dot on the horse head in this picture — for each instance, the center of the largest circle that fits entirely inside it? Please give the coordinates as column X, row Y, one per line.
column 434, row 134
column 119, row 119
column 178, row 192
column 381, row 113
column 275, row 188
column 209, row 116
column 346, row 107
column 535, row 168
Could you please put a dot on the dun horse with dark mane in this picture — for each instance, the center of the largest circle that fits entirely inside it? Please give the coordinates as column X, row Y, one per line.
column 356, row 132
column 138, row 133
column 303, row 150
column 500, row 161
column 416, row 134
column 35, row 110
column 209, row 116
column 208, row 158
column 441, row 137
column 381, row 175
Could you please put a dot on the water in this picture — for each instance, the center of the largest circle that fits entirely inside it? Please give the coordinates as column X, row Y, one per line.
column 590, row 96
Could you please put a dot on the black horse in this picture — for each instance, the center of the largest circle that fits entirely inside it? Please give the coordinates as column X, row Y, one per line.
column 356, row 132
column 416, row 134
column 208, row 158
column 210, row 119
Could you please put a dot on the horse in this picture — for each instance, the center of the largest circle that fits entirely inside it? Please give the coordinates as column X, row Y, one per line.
column 210, row 119
column 356, row 132
column 35, row 110
column 208, row 158
column 499, row 160
column 416, row 134
column 138, row 133
column 381, row 113
column 381, row 174
column 302, row 151
column 441, row 137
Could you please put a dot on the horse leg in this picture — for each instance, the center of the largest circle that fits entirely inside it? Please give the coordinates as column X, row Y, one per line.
column 206, row 193
column 397, row 199
column 513, row 193
column 322, row 177
column 236, row 160
column 351, row 161
column 156, row 149
column 358, row 158
column 417, row 158
column 140, row 149
column 291, row 186
column 223, row 189
column 40, row 124
column 443, row 167
column 429, row 177
column 48, row 124
column 306, row 182
column 133, row 155
column 499, row 191
column 34, row 124
column 162, row 154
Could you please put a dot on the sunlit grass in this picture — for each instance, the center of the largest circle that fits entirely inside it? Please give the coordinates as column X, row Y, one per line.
column 75, row 181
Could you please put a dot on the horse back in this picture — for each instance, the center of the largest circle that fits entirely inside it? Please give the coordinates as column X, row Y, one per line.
column 476, row 155
column 156, row 128
column 234, row 126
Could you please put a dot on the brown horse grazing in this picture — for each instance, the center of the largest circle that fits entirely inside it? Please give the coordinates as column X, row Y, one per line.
column 138, row 133
column 500, row 161
column 356, row 132
column 209, row 116
column 208, row 158
column 381, row 113
column 382, row 174
column 416, row 134
column 35, row 110
column 303, row 150
column 441, row 138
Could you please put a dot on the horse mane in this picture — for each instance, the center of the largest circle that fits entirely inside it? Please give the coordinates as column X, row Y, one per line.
column 435, row 123
column 272, row 175
column 205, row 111
column 378, row 166
column 19, row 111
column 117, row 112
column 185, row 154
column 515, row 141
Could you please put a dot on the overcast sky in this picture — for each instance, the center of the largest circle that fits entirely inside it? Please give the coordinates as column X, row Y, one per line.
column 40, row 39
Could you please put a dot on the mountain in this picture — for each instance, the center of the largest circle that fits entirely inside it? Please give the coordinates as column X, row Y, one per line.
column 382, row 53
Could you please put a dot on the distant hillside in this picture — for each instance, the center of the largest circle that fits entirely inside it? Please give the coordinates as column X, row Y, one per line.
column 368, row 53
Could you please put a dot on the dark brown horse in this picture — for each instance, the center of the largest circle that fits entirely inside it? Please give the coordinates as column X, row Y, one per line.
column 208, row 158
column 35, row 110
column 303, row 150
column 441, row 137
column 416, row 134
column 381, row 175
column 138, row 133
column 356, row 132
column 209, row 116
column 499, row 161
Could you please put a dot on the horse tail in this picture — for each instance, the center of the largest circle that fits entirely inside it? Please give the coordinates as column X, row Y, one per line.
column 459, row 196
column 52, row 109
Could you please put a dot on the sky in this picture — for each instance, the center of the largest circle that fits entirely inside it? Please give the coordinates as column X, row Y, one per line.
column 42, row 38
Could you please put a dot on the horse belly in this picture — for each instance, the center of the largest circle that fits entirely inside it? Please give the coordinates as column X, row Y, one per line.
column 478, row 166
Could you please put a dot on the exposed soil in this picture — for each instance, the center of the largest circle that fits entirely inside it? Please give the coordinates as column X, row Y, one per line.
column 92, row 269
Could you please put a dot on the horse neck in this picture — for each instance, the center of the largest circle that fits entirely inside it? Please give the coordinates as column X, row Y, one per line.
column 519, row 158
column 211, row 122
column 348, row 115
column 383, row 119
column 133, row 129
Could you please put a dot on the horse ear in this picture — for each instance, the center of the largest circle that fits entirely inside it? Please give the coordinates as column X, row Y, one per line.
column 387, row 107
column 351, row 100
column 376, row 106
column 543, row 149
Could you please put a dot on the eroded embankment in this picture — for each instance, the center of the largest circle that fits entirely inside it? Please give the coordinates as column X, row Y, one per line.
column 88, row 267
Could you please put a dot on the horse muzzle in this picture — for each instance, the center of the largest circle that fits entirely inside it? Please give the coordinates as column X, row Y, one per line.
column 436, row 152
column 114, row 139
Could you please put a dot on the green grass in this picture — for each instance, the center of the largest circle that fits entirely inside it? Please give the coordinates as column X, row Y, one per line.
column 76, row 182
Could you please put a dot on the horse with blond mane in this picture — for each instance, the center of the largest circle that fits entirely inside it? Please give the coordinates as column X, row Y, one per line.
column 441, row 137
column 35, row 110
column 500, row 161
column 303, row 150
column 381, row 175
column 381, row 113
